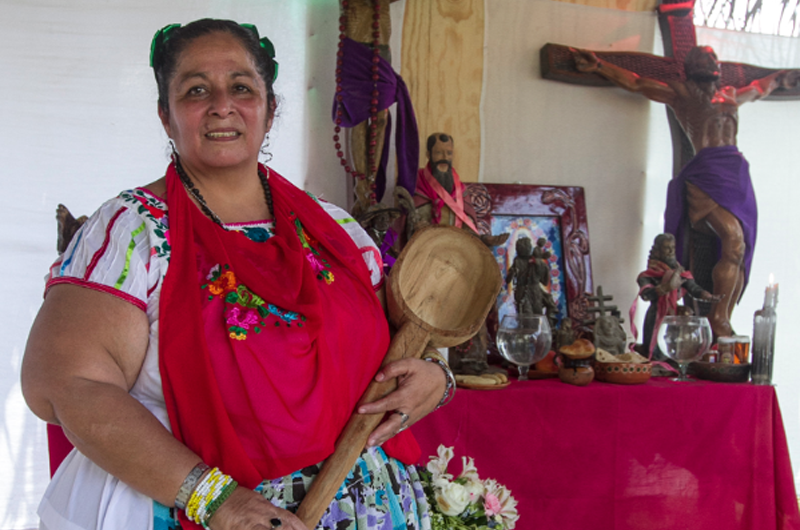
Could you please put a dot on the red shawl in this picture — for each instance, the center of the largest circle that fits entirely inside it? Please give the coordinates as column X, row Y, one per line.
column 263, row 358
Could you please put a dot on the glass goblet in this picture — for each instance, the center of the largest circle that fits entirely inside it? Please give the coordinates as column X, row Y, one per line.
column 684, row 339
column 524, row 340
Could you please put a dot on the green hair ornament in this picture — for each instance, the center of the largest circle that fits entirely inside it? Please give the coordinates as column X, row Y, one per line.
column 161, row 37
column 266, row 44
column 164, row 34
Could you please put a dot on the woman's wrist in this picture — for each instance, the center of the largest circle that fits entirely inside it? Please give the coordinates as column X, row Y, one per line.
column 210, row 489
column 189, row 485
column 433, row 356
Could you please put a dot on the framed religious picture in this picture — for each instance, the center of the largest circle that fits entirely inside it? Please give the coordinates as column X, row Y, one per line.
column 553, row 216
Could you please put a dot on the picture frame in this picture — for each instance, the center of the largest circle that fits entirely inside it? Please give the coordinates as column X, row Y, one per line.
column 557, row 213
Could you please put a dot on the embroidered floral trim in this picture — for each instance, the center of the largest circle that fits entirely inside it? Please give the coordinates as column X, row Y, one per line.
column 318, row 263
column 155, row 210
column 245, row 310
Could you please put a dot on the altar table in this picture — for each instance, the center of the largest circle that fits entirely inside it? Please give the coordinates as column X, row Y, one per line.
column 663, row 455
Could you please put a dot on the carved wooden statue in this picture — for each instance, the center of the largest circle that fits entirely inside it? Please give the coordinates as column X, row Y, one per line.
column 439, row 195
column 522, row 280
column 67, row 226
column 715, row 185
column 663, row 283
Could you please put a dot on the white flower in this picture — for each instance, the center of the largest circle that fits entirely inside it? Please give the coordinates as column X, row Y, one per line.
column 438, row 466
column 452, row 498
column 470, row 474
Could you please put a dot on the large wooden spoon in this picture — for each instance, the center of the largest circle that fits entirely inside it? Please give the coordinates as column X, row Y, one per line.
column 440, row 290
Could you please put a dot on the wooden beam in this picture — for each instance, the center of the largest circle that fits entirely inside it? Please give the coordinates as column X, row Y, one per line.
column 443, row 68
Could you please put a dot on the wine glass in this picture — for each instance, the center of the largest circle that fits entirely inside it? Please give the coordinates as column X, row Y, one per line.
column 524, row 340
column 684, row 339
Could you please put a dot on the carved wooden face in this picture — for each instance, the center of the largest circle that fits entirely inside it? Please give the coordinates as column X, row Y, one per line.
column 702, row 64
column 668, row 250
column 441, row 155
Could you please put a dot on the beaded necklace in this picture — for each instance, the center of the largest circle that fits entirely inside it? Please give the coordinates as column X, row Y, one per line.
column 190, row 187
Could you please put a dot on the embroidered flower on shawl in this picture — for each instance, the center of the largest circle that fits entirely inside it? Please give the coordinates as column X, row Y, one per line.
column 318, row 263
column 221, row 283
column 240, row 322
column 244, row 310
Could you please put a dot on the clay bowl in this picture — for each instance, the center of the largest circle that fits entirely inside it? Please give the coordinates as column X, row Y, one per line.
column 623, row 373
column 720, row 372
column 578, row 376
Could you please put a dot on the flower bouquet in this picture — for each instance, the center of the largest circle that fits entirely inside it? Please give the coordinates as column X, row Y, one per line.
column 466, row 502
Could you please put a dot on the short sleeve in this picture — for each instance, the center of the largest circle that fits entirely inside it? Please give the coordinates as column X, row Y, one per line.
column 110, row 253
column 369, row 250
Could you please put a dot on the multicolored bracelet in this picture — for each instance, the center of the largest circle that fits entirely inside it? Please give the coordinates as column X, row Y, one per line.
column 433, row 356
column 207, row 497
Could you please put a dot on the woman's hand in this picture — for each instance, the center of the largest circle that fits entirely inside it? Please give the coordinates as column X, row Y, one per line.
column 420, row 387
column 247, row 510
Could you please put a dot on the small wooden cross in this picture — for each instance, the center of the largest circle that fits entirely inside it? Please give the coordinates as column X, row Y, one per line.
column 601, row 308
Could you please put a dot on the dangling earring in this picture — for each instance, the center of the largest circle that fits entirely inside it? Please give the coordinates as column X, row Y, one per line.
column 265, row 149
column 173, row 152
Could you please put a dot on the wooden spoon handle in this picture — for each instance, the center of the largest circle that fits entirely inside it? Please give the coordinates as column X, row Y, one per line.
column 409, row 341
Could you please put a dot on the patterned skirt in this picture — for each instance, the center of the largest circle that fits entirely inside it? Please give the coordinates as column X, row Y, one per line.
column 378, row 493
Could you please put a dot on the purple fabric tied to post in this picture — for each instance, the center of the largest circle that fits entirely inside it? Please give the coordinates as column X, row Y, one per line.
column 724, row 174
column 357, row 86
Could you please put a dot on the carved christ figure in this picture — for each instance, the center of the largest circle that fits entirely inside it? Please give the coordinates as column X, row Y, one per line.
column 715, row 185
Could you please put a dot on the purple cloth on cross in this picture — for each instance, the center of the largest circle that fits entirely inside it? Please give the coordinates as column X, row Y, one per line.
column 357, row 86
column 724, row 174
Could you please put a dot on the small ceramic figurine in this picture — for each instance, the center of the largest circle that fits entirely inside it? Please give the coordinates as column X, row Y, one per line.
column 609, row 335
column 663, row 284
column 521, row 279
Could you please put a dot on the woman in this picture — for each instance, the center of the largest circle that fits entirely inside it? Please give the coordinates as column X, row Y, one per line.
column 220, row 318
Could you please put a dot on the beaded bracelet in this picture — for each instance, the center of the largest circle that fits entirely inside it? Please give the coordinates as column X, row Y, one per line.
column 433, row 356
column 216, row 503
column 189, row 483
column 207, row 497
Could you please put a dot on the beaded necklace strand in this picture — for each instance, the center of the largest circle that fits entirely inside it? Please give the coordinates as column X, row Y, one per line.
column 190, row 187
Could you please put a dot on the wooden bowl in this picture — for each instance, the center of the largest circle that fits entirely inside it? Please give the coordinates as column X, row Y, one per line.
column 720, row 372
column 445, row 281
column 623, row 373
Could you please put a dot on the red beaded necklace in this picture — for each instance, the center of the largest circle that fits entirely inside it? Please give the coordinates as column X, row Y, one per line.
column 373, row 122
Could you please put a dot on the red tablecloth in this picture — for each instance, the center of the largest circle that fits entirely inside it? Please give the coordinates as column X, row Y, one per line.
column 668, row 455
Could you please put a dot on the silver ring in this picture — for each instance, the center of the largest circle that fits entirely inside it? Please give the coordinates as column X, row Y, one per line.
column 404, row 417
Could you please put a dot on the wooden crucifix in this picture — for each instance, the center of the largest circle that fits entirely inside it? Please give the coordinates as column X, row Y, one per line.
column 711, row 206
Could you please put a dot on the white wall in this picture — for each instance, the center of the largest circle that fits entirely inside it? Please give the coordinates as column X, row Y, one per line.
column 77, row 102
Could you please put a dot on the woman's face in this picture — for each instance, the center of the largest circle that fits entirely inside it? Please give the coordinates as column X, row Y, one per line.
column 218, row 113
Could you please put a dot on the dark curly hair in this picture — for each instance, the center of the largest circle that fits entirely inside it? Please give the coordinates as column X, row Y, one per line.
column 167, row 51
